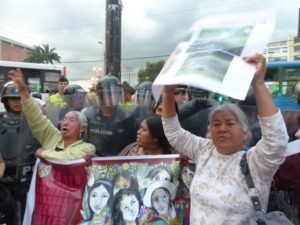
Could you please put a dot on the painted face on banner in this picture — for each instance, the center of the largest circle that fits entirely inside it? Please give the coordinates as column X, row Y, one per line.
column 160, row 201
column 98, row 198
column 121, row 183
column 44, row 170
column 161, row 176
column 129, row 207
column 187, row 176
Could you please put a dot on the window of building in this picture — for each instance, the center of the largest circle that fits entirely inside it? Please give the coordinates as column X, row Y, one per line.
column 297, row 49
column 284, row 49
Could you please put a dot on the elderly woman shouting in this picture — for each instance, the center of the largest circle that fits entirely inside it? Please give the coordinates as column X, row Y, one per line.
column 219, row 194
column 60, row 145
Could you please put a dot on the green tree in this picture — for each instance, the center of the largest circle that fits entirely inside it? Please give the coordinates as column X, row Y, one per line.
column 43, row 55
column 151, row 71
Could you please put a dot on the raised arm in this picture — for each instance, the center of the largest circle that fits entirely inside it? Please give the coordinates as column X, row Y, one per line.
column 168, row 102
column 42, row 129
column 2, row 166
column 265, row 104
column 17, row 77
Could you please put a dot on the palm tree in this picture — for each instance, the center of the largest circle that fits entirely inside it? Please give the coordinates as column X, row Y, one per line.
column 43, row 55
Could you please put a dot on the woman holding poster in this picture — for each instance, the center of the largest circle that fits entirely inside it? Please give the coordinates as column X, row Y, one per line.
column 219, row 193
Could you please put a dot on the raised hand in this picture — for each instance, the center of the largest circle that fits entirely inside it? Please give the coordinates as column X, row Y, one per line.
column 260, row 61
column 17, row 77
column 264, row 102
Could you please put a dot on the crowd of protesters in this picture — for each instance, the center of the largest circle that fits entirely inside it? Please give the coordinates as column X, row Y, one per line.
column 117, row 119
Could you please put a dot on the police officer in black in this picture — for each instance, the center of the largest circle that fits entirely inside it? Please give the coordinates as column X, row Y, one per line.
column 74, row 96
column 144, row 101
column 7, row 203
column 17, row 149
column 110, row 128
column 193, row 115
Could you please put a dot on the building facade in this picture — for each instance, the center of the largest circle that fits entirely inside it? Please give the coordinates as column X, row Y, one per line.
column 11, row 50
column 284, row 50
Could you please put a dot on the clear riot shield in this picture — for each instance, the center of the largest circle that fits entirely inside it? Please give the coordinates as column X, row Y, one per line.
column 74, row 103
column 27, row 146
column 52, row 113
column 110, row 127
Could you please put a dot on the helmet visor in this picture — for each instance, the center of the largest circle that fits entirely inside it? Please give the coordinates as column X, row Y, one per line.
column 110, row 96
column 144, row 97
column 75, row 102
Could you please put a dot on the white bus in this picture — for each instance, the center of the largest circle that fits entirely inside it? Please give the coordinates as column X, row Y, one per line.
column 39, row 77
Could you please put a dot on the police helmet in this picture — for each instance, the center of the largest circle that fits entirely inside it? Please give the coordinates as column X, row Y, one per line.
column 145, row 85
column 144, row 94
column 181, row 89
column 74, row 89
column 197, row 92
column 109, row 90
column 74, row 95
column 107, row 81
column 9, row 90
column 37, row 95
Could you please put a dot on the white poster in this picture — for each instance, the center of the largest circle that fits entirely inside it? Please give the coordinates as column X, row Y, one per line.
column 212, row 58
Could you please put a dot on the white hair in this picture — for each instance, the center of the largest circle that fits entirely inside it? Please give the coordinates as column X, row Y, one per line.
column 81, row 117
column 240, row 115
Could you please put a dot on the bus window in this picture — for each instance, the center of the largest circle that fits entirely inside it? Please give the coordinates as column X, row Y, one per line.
column 39, row 77
column 34, row 84
column 281, row 77
column 2, row 77
column 52, row 76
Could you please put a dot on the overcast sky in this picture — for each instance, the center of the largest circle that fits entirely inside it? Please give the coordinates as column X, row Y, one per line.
column 149, row 27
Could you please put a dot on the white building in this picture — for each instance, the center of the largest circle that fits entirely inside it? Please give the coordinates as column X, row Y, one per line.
column 284, row 50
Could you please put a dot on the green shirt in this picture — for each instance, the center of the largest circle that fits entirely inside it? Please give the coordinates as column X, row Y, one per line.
column 57, row 99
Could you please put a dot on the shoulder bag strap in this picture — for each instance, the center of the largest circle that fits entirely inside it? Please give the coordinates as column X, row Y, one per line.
column 252, row 192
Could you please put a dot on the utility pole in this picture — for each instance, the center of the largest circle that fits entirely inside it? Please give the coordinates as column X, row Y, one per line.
column 112, row 55
column 129, row 70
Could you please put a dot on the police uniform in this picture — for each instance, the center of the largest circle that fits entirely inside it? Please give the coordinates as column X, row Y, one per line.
column 17, row 149
column 193, row 116
column 109, row 134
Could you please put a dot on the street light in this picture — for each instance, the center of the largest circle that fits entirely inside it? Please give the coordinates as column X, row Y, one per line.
column 97, row 69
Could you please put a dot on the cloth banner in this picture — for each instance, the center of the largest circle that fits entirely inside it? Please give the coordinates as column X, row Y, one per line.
column 111, row 190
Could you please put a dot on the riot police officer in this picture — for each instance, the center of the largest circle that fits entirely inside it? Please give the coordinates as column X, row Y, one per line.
column 193, row 115
column 17, row 149
column 144, row 101
column 74, row 96
column 110, row 128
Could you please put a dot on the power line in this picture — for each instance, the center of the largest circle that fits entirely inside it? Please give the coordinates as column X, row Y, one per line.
column 96, row 24
column 92, row 61
column 142, row 21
